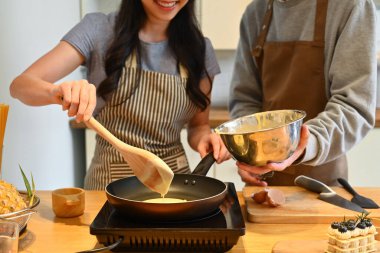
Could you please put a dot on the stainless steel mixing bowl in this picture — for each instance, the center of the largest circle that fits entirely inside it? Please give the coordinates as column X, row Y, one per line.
column 259, row 138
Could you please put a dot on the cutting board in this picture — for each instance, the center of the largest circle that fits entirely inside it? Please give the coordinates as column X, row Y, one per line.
column 303, row 206
column 302, row 246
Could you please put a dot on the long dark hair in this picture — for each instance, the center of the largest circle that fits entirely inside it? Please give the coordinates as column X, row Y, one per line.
column 184, row 37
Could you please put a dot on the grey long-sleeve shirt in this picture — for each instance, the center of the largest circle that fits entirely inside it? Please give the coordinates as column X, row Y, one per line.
column 350, row 69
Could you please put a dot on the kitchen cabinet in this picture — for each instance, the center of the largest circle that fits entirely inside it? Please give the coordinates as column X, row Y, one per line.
column 220, row 20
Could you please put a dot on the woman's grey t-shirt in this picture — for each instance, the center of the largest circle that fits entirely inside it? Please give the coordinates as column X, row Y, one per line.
column 92, row 36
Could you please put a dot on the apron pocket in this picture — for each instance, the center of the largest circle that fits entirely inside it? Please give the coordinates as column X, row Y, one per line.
column 178, row 163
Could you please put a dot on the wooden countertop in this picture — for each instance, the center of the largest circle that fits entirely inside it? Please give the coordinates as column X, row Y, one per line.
column 217, row 117
column 46, row 233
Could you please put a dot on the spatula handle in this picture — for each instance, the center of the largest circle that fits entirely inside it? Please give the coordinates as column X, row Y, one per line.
column 102, row 131
column 347, row 186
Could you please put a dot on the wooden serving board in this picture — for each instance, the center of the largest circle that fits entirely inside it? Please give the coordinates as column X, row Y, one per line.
column 302, row 246
column 303, row 206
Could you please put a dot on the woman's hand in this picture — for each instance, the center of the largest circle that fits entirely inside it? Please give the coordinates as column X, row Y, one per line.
column 76, row 97
column 251, row 174
column 213, row 142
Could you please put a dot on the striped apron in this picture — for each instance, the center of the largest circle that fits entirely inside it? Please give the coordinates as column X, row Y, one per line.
column 148, row 110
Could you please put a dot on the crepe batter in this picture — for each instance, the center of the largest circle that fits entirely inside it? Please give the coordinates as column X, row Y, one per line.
column 165, row 200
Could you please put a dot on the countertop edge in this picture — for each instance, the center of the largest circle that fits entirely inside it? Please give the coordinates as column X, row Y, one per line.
column 217, row 117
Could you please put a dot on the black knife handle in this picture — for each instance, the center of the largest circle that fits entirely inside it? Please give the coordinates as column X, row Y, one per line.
column 347, row 186
column 312, row 184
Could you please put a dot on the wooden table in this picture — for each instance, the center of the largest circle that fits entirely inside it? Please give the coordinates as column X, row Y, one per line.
column 46, row 233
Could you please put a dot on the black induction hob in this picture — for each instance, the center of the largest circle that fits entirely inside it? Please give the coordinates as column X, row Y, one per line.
column 218, row 232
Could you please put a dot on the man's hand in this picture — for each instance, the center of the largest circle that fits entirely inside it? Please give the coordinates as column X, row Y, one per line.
column 251, row 174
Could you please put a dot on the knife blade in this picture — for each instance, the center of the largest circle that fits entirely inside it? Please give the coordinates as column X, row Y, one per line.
column 326, row 193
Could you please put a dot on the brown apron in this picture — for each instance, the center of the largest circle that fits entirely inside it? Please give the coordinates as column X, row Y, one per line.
column 292, row 75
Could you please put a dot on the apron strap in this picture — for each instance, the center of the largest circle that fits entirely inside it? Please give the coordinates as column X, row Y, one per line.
column 320, row 21
column 131, row 62
column 256, row 52
column 183, row 71
column 319, row 25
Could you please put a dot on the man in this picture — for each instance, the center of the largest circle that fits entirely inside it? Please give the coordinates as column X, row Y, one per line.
column 313, row 55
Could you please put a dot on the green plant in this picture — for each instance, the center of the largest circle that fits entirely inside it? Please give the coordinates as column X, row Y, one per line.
column 31, row 189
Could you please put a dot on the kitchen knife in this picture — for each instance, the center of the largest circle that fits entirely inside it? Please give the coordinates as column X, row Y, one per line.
column 326, row 193
column 357, row 198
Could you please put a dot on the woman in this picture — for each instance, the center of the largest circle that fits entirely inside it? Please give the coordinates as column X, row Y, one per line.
column 150, row 72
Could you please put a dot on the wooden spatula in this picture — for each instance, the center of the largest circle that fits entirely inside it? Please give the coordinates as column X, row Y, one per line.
column 148, row 168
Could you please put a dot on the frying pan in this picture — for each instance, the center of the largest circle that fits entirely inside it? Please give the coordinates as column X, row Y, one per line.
column 203, row 195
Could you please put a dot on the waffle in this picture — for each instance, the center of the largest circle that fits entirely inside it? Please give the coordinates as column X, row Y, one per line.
column 366, row 243
column 352, row 236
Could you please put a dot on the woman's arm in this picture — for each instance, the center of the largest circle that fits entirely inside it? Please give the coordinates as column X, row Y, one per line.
column 35, row 86
column 200, row 136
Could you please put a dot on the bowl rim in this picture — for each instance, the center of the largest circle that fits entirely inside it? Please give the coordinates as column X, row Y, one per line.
column 216, row 129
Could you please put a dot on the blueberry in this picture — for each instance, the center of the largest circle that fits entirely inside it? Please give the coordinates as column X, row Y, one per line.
column 335, row 225
column 368, row 223
column 361, row 225
column 350, row 222
column 342, row 229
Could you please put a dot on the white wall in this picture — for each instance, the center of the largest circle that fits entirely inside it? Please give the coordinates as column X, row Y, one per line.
column 363, row 162
column 99, row 5
column 38, row 138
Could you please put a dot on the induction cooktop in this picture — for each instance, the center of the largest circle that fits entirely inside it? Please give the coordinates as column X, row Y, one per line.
column 217, row 232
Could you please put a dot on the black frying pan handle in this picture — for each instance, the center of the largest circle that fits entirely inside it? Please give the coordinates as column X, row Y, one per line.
column 204, row 165
column 347, row 186
column 106, row 248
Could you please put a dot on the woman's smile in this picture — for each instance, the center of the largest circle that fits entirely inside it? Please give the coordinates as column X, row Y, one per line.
column 162, row 10
column 167, row 5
